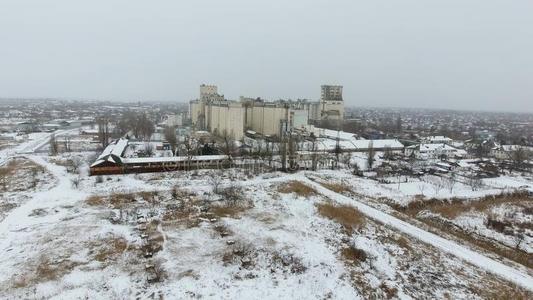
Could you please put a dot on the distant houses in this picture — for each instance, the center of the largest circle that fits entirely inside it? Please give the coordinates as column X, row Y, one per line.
column 504, row 152
column 33, row 126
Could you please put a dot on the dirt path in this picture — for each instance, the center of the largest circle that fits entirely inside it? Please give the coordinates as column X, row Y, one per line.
column 19, row 224
column 475, row 258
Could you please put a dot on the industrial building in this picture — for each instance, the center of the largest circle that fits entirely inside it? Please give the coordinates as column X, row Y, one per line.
column 212, row 112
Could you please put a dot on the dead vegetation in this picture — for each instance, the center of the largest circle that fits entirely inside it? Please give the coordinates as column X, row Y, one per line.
column 246, row 256
column 52, row 270
column 453, row 207
column 349, row 217
column 353, row 254
column 95, row 200
column 222, row 230
column 288, row 263
column 298, row 188
column 109, row 249
column 449, row 209
column 491, row 245
column 502, row 290
column 115, row 200
column 20, row 175
column 177, row 214
column 240, row 253
column 227, row 211
column 46, row 269
column 339, row 188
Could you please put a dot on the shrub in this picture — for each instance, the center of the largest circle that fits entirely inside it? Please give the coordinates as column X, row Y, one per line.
column 349, row 217
column 354, row 254
column 298, row 188
column 95, row 200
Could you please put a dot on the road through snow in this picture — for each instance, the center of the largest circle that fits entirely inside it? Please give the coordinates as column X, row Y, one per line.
column 16, row 226
column 475, row 258
column 39, row 140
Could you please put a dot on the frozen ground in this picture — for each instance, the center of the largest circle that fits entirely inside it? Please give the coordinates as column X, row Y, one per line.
column 169, row 235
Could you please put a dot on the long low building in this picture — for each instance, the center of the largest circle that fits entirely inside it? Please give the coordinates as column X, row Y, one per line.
column 111, row 161
column 328, row 144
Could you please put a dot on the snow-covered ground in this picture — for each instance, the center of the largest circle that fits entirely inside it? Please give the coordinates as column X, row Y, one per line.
column 65, row 235
column 405, row 189
column 58, row 242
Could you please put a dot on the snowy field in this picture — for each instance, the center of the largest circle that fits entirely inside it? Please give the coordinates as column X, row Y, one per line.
column 185, row 235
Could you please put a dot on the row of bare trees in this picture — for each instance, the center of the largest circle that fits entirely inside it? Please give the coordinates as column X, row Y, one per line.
column 138, row 123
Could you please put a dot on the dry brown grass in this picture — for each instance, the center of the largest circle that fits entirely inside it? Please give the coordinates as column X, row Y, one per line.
column 403, row 242
column 289, row 262
column 451, row 208
column 501, row 290
column 115, row 200
column 45, row 270
column 298, row 188
column 520, row 257
column 349, row 217
column 227, row 211
column 121, row 200
column 336, row 187
column 353, row 254
column 178, row 215
column 110, row 249
column 390, row 291
column 149, row 197
column 20, row 174
column 95, row 200
column 240, row 253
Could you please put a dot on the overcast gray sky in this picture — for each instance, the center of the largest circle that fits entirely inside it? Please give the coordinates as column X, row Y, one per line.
column 458, row 54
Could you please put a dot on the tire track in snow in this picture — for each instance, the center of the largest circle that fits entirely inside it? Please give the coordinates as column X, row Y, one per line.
column 451, row 247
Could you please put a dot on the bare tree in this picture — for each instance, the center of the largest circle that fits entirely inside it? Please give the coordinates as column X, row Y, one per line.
column 450, row 183
column 228, row 146
column 337, row 150
column 314, row 152
column 355, row 169
column 145, row 127
column 66, row 144
column 232, row 195
column 293, row 149
column 421, row 187
column 215, row 180
column 437, row 185
column 387, row 153
column 518, row 157
column 398, row 124
column 34, row 180
column 103, row 130
column 268, row 153
column 475, row 183
column 148, row 149
column 345, row 159
column 74, row 165
column 127, row 122
column 520, row 236
column 76, row 181
column 53, row 145
column 370, row 157
column 189, row 150
column 170, row 136
column 481, row 151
